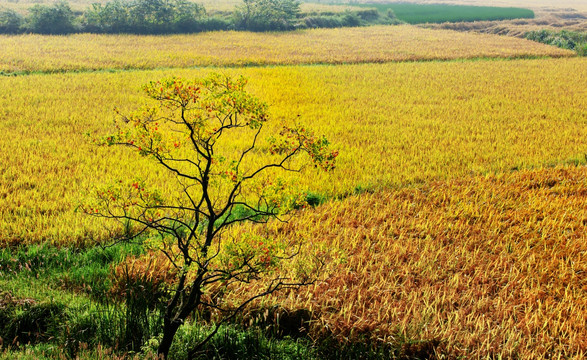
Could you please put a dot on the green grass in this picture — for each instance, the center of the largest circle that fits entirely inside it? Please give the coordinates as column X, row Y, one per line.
column 438, row 13
column 54, row 304
column 565, row 39
column 57, row 296
column 44, row 272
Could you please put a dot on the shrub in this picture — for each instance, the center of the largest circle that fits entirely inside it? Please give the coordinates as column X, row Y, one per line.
column 214, row 23
column 351, row 19
column 31, row 323
column 368, row 14
column 144, row 277
column 267, row 15
column 56, row 19
column 565, row 39
column 145, row 17
column 10, row 22
column 323, row 21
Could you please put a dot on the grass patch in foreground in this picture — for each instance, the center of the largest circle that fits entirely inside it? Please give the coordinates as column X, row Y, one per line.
column 42, row 316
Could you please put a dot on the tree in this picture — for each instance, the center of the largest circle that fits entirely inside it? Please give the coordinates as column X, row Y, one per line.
column 207, row 134
column 56, row 19
column 112, row 17
column 267, row 15
column 10, row 22
column 145, row 16
column 187, row 16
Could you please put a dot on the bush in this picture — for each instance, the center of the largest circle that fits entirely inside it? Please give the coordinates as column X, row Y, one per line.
column 104, row 326
column 31, row 323
column 10, row 22
column 112, row 17
column 571, row 40
column 234, row 342
column 267, row 15
column 145, row 17
column 322, row 21
column 351, row 19
column 368, row 14
column 347, row 18
column 214, row 24
column 56, row 19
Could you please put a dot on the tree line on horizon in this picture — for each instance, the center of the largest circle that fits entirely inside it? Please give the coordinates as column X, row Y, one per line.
column 176, row 16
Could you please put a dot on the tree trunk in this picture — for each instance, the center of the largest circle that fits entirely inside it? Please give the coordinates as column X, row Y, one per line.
column 169, row 330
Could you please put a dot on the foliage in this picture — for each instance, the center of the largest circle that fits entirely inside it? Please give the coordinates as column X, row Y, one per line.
column 233, row 342
column 27, row 322
column 63, row 273
column 11, row 22
column 141, row 283
column 145, row 17
column 267, row 15
column 56, row 19
column 191, row 132
column 184, row 16
column 332, row 21
column 565, row 39
column 345, row 18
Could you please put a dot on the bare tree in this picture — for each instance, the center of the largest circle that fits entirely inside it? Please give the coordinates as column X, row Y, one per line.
column 207, row 134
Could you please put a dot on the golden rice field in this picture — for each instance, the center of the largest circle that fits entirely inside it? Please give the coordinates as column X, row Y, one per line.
column 484, row 267
column 458, row 212
column 38, row 53
column 394, row 124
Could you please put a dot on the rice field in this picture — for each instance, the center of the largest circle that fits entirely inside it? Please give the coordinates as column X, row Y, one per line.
column 456, row 220
column 394, row 124
column 479, row 267
column 81, row 52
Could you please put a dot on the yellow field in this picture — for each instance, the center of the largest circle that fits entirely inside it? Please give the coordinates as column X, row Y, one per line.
column 458, row 207
column 486, row 267
column 28, row 53
column 393, row 124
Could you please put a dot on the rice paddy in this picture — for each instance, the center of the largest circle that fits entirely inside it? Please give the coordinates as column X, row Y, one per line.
column 454, row 224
